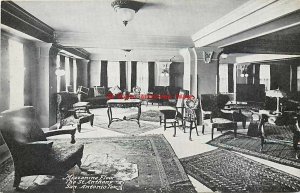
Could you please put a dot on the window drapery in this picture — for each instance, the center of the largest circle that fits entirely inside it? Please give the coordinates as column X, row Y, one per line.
column 113, row 74
column 298, row 78
column 265, row 76
column 142, row 79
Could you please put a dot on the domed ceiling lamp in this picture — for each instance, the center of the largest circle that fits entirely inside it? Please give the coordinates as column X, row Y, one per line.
column 126, row 9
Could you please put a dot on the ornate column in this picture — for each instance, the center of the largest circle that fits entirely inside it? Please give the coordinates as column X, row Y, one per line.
column 201, row 70
column 45, row 92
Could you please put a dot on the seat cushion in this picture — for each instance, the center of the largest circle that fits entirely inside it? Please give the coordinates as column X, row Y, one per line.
column 221, row 121
column 63, row 156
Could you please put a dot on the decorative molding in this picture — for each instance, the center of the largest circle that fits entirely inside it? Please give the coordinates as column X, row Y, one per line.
column 135, row 5
column 15, row 17
column 207, row 56
column 82, row 53
column 284, row 23
column 121, row 40
column 248, row 16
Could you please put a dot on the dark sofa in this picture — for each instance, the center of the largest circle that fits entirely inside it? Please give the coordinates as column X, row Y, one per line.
column 163, row 95
column 97, row 99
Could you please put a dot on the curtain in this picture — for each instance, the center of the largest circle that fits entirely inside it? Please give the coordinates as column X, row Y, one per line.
column 142, row 79
column 75, row 75
column 230, row 78
column 62, row 78
column 298, row 78
column 103, row 75
column 133, row 74
column 265, row 76
column 113, row 74
column 256, row 73
column 151, row 75
column 71, row 72
column 223, row 74
column 122, row 75
column 67, row 69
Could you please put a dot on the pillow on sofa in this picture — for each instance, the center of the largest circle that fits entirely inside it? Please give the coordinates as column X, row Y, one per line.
column 99, row 91
column 115, row 90
column 83, row 90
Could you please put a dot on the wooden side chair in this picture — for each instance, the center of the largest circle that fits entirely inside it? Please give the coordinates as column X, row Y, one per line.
column 190, row 116
column 175, row 115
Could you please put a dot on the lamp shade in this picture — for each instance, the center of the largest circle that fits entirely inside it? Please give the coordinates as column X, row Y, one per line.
column 276, row 93
column 125, row 14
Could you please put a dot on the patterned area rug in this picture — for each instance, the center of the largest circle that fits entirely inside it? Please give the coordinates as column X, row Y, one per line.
column 225, row 171
column 117, row 164
column 125, row 127
column 282, row 153
column 150, row 115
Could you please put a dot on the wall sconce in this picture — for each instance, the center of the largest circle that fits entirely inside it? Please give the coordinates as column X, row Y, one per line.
column 244, row 71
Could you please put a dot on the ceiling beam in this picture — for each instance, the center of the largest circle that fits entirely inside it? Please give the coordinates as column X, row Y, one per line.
column 17, row 18
column 251, row 15
column 124, row 41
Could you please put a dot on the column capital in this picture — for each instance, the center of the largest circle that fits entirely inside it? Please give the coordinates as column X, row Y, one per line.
column 207, row 54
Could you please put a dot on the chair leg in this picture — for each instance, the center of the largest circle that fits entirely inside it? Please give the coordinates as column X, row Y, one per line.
column 79, row 127
column 79, row 163
column 196, row 128
column 212, row 133
column 235, row 130
column 92, row 120
column 183, row 125
column 73, row 138
column 174, row 129
column 17, row 180
column 160, row 120
column 165, row 124
column 244, row 124
column 191, row 128
column 203, row 129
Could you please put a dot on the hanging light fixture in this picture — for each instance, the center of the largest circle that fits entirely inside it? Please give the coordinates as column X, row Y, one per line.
column 126, row 9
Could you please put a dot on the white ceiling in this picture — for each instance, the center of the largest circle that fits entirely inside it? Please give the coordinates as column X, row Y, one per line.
column 157, row 32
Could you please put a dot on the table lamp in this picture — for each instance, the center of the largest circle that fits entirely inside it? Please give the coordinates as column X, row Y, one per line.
column 278, row 94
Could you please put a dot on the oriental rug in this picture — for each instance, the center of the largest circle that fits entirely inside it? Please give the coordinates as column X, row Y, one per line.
column 282, row 153
column 151, row 115
column 226, row 171
column 125, row 127
column 116, row 164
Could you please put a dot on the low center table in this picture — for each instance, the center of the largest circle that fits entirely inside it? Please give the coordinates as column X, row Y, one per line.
column 122, row 103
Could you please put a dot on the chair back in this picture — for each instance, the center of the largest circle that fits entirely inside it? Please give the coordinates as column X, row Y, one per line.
column 20, row 126
column 191, row 105
column 213, row 103
column 65, row 101
column 180, row 98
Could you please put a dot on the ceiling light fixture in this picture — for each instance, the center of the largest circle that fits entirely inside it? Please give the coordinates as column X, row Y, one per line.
column 126, row 9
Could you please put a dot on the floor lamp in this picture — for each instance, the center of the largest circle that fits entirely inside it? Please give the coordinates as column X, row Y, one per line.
column 276, row 94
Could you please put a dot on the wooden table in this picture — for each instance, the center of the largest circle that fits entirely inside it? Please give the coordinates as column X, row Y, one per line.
column 122, row 103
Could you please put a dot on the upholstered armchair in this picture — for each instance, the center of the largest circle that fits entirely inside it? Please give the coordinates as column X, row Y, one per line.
column 31, row 152
column 72, row 112
column 211, row 108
